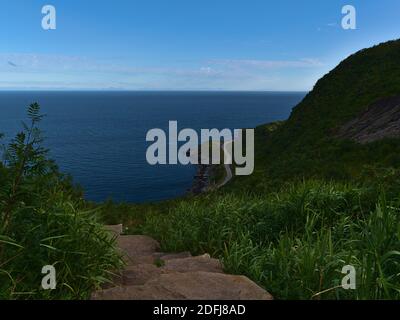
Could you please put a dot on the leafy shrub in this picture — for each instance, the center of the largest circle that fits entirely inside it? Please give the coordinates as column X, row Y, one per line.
column 42, row 223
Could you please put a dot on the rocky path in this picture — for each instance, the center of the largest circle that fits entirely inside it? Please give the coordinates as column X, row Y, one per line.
column 153, row 275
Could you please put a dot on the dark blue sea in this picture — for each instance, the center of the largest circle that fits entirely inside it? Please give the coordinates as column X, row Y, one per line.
column 100, row 137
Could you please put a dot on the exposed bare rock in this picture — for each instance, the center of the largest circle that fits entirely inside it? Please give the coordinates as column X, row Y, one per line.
column 170, row 256
column 136, row 293
column 140, row 274
column 380, row 120
column 138, row 249
column 115, row 229
column 201, row 180
column 190, row 286
column 202, row 263
column 179, row 276
column 206, row 285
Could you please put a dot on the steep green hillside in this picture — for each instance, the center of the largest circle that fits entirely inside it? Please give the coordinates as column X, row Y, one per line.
column 305, row 145
column 354, row 84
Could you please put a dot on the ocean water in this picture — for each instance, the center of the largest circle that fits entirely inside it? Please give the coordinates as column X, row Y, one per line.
column 100, row 137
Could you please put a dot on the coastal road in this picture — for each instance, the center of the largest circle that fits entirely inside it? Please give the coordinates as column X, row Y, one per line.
column 227, row 166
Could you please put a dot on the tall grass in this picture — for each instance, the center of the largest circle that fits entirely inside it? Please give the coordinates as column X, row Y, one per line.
column 61, row 235
column 294, row 242
column 42, row 223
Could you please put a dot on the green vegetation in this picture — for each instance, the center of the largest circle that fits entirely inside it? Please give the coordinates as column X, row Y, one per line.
column 314, row 203
column 42, row 222
column 294, row 242
column 305, row 145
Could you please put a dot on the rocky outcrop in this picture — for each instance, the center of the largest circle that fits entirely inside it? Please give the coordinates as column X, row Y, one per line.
column 153, row 275
column 201, row 180
column 380, row 120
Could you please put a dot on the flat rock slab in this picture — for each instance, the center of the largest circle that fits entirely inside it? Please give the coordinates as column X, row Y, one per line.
column 170, row 256
column 115, row 229
column 138, row 249
column 145, row 269
column 136, row 293
column 140, row 274
column 192, row 264
column 189, row 286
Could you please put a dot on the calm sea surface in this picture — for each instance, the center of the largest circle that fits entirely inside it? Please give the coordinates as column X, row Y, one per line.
column 100, row 137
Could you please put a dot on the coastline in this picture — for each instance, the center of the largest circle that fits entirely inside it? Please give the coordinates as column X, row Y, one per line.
column 202, row 179
column 207, row 176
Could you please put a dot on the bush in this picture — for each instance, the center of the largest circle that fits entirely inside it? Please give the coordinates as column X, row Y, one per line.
column 42, row 223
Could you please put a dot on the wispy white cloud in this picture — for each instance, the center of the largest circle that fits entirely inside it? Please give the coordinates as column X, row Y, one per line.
column 53, row 63
column 269, row 64
column 57, row 72
column 332, row 24
column 33, row 63
column 327, row 26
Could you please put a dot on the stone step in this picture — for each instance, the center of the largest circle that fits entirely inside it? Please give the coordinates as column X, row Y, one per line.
column 192, row 264
column 140, row 274
column 116, row 230
column 138, row 249
column 191, row 286
column 170, row 256
column 150, row 275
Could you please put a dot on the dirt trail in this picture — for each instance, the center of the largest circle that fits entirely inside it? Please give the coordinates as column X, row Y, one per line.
column 153, row 275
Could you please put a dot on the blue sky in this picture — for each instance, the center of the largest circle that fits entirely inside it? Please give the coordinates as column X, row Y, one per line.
column 283, row 45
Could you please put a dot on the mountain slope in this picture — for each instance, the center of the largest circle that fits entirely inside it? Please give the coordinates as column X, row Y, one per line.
column 357, row 82
column 380, row 120
column 308, row 144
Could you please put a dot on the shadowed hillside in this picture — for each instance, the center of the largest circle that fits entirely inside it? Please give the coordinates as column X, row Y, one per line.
column 380, row 120
column 308, row 144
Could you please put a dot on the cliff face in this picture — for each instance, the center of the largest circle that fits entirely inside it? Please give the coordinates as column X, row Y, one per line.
column 358, row 82
column 379, row 120
column 337, row 131
column 331, row 133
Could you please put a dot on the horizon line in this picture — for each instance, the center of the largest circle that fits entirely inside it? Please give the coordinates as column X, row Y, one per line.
column 148, row 90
